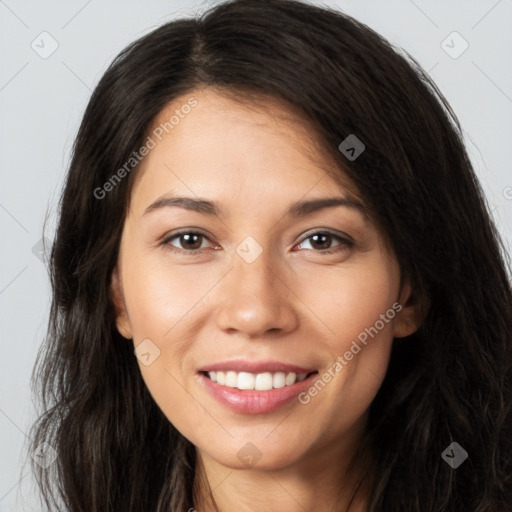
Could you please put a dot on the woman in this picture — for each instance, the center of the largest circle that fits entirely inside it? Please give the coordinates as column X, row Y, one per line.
column 276, row 282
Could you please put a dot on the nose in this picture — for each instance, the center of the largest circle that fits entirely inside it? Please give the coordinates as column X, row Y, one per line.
column 256, row 300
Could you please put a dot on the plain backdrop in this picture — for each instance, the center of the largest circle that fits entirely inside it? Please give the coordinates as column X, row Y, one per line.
column 42, row 101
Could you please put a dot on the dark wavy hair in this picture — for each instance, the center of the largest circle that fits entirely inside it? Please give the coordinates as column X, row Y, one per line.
column 449, row 381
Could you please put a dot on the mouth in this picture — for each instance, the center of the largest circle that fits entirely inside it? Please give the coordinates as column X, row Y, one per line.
column 255, row 388
column 264, row 381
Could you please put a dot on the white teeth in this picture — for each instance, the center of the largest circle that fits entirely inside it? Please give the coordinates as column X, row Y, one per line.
column 290, row 378
column 245, row 380
column 263, row 381
column 258, row 382
column 279, row 380
column 231, row 380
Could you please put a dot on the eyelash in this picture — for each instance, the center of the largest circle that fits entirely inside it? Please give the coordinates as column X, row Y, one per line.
column 345, row 242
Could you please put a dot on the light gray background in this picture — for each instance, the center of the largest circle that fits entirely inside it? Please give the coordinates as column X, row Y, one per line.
column 42, row 101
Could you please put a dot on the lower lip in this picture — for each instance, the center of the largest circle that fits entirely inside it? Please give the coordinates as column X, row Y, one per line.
column 251, row 401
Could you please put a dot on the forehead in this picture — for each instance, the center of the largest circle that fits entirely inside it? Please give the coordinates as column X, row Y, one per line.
column 225, row 143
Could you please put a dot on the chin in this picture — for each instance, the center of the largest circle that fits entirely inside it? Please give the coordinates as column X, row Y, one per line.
column 256, row 455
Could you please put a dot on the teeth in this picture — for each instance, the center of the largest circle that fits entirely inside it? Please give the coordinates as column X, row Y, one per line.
column 262, row 381
column 231, row 380
column 290, row 379
column 258, row 382
column 279, row 380
column 245, row 380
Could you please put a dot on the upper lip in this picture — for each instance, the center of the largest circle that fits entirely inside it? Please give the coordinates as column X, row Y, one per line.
column 255, row 367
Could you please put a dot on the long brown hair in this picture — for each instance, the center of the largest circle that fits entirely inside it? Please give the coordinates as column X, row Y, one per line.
column 450, row 381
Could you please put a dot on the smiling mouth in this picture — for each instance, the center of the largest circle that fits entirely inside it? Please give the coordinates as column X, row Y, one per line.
column 256, row 381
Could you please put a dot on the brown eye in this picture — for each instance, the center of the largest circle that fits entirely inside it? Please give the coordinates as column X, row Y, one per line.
column 187, row 241
column 321, row 241
column 190, row 240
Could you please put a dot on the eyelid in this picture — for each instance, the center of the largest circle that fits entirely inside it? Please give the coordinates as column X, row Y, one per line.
column 185, row 231
column 340, row 234
column 345, row 240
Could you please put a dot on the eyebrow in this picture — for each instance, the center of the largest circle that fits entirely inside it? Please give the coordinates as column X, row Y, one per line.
column 213, row 208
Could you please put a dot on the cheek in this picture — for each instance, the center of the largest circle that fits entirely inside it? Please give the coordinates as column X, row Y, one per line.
column 159, row 298
column 350, row 299
column 160, row 309
column 355, row 306
column 159, row 305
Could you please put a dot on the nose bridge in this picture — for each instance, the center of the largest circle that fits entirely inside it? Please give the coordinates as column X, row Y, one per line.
column 253, row 262
column 254, row 278
column 255, row 298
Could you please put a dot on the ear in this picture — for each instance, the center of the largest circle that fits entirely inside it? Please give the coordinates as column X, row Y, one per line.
column 116, row 294
column 410, row 316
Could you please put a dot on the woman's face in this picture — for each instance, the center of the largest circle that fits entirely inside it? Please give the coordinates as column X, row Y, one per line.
column 272, row 296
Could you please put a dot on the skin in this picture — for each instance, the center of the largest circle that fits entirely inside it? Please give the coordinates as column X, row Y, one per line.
column 294, row 303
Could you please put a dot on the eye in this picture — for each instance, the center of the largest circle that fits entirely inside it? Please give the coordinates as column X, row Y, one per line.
column 321, row 239
column 190, row 241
